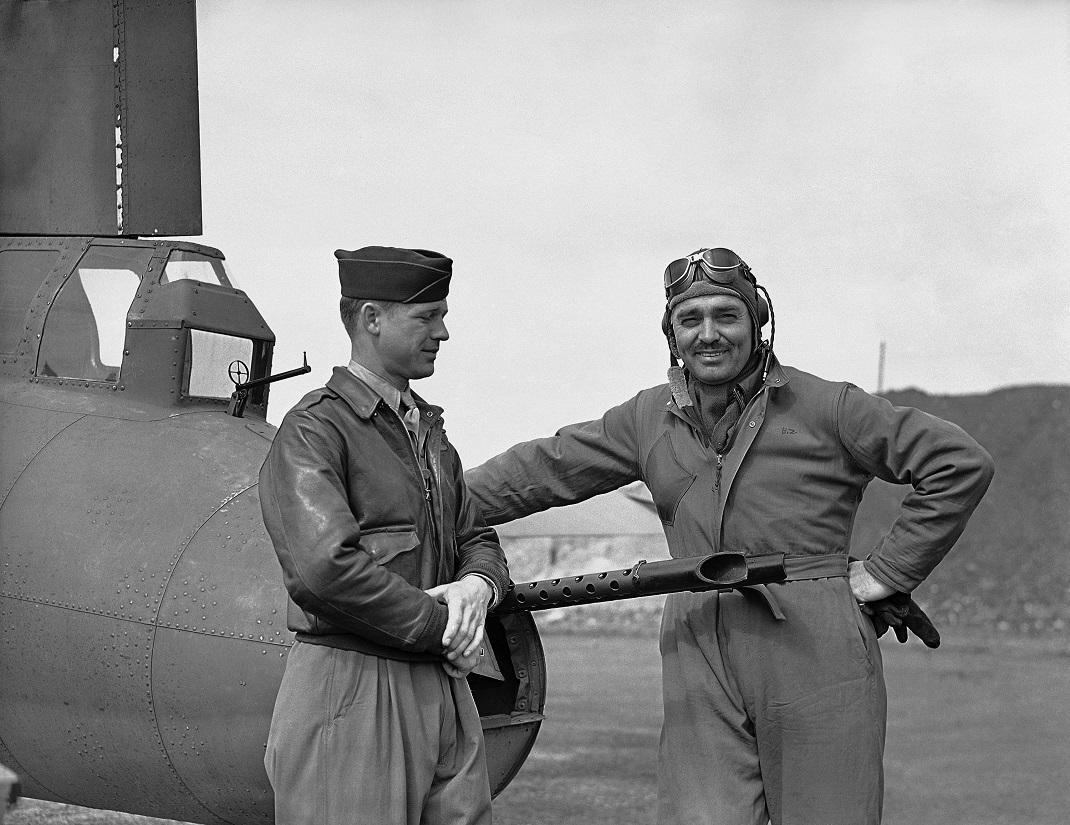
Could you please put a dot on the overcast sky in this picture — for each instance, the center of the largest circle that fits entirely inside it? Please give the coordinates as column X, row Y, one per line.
column 891, row 171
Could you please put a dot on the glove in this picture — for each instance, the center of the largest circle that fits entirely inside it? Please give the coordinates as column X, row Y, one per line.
column 901, row 613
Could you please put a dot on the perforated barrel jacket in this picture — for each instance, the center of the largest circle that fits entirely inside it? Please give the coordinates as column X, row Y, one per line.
column 345, row 504
column 789, row 481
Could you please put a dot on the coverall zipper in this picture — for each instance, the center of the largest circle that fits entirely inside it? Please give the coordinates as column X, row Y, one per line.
column 744, row 416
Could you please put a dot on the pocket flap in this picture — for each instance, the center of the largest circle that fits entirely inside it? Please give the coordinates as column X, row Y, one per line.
column 386, row 545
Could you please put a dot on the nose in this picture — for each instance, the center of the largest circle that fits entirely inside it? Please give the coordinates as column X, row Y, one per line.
column 709, row 331
column 440, row 333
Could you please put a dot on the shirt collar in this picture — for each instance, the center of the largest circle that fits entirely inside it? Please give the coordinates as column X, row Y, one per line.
column 381, row 387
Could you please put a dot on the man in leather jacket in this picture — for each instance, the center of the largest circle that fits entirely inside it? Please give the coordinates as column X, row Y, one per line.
column 389, row 568
column 774, row 696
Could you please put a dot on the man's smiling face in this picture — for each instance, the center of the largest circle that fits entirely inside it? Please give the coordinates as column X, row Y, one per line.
column 714, row 336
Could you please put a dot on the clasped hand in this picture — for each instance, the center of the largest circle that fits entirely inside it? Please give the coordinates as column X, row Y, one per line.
column 466, row 600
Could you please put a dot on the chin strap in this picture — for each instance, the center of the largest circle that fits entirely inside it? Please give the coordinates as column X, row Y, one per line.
column 676, row 375
column 678, row 384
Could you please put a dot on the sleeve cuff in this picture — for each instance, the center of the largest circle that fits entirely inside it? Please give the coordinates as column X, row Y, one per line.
column 494, row 596
column 880, row 575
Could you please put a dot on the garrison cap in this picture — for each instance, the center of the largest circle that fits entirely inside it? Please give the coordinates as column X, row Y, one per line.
column 386, row 273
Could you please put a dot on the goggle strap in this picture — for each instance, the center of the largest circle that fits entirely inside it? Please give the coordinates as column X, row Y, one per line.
column 714, row 267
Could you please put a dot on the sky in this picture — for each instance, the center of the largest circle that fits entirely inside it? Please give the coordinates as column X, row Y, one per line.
column 891, row 171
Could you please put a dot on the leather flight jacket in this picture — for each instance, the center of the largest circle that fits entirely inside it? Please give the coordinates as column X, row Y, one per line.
column 361, row 532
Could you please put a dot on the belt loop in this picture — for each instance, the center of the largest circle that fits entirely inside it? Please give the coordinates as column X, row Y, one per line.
column 798, row 567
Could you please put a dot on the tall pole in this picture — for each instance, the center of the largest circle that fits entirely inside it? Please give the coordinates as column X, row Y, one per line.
column 880, row 369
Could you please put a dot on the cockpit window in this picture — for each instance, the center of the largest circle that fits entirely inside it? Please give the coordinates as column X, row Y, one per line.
column 85, row 329
column 212, row 366
column 22, row 272
column 185, row 265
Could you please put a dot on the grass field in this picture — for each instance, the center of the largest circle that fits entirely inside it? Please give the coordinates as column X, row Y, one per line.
column 978, row 734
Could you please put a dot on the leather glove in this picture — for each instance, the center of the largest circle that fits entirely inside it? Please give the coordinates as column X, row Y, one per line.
column 901, row 613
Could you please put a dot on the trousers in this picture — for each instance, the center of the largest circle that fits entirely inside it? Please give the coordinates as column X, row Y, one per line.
column 767, row 720
column 360, row 740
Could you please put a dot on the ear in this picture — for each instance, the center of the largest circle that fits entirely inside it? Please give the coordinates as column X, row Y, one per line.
column 370, row 317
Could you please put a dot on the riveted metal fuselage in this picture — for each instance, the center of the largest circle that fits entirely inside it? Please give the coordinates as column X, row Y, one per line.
column 143, row 621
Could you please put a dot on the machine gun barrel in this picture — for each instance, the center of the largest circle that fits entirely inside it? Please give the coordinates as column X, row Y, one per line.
column 718, row 571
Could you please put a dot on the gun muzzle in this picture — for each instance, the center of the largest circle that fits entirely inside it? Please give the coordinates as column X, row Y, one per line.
column 718, row 571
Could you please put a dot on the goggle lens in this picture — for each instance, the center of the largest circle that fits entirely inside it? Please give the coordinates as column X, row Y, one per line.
column 717, row 265
column 676, row 271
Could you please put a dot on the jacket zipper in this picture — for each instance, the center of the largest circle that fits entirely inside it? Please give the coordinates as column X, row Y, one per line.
column 426, row 478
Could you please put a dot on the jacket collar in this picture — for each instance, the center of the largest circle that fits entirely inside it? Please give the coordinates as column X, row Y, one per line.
column 775, row 378
column 363, row 399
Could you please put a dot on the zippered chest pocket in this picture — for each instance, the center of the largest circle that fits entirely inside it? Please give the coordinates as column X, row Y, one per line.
column 667, row 479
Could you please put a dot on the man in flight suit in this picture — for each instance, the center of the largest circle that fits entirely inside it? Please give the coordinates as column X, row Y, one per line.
column 390, row 571
column 774, row 696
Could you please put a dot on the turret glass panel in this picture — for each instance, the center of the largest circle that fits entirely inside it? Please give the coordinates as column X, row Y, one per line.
column 85, row 330
column 183, row 264
column 216, row 362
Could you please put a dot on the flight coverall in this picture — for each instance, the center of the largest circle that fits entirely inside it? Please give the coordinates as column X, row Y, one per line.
column 367, row 725
column 774, row 696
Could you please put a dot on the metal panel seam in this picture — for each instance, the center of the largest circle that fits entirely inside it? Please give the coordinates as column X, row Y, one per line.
column 152, row 650
column 15, row 480
column 14, row 764
column 132, row 620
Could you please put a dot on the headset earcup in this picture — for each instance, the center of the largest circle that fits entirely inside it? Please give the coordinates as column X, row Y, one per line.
column 763, row 311
column 666, row 329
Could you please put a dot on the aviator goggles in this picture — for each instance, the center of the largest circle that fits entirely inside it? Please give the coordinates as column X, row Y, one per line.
column 719, row 266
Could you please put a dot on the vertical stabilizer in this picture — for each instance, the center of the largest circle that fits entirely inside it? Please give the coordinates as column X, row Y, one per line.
column 99, row 129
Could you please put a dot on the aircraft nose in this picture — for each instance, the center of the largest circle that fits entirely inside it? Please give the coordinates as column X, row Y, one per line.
column 150, row 614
